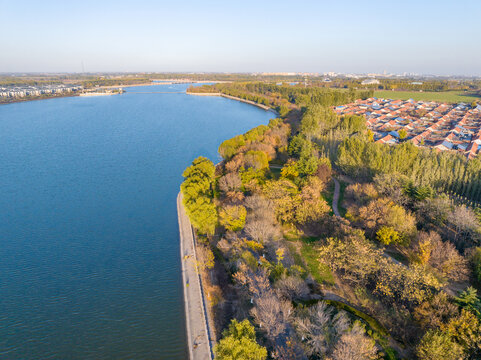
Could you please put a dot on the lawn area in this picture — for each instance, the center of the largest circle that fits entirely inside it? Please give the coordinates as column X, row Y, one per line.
column 442, row 96
column 320, row 272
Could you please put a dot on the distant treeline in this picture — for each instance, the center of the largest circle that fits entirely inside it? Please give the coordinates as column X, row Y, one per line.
column 114, row 82
column 20, row 81
column 284, row 97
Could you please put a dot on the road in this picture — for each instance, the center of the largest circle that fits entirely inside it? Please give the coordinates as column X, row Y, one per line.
column 195, row 316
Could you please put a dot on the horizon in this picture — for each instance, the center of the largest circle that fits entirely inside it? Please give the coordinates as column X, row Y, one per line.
column 315, row 37
column 252, row 73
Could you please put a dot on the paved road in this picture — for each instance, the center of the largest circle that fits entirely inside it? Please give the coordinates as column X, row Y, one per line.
column 197, row 328
column 335, row 198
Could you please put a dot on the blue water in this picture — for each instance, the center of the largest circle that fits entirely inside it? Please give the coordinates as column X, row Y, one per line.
column 89, row 250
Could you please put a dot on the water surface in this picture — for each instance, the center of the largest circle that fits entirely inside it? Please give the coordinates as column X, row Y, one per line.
column 89, row 264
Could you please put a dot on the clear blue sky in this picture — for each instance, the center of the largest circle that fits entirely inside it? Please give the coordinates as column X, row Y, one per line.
column 422, row 36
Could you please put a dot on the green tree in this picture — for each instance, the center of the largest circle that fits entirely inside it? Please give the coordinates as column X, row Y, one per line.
column 468, row 299
column 437, row 345
column 402, row 134
column 239, row 343
column 197, row 191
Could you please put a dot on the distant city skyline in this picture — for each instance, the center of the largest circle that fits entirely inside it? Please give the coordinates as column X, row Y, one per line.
column 422, row 37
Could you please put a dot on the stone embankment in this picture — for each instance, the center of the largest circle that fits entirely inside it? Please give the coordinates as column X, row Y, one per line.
column 198, row 329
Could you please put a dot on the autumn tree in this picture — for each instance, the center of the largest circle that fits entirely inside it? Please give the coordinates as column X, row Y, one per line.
column 436, row 311
column 437, row 345
column 355, row 345
column 430, row 250
column 233, row 218
column 239, row 343
column 384, row 212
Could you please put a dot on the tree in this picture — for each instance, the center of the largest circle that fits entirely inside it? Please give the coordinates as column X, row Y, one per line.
column 261, row 230
column 402, row 134
column 465, row 222
column 392, row 185
column 256, row 159
column 466, row 330
column 447, row 261
column 355, row 345
column 292, row 288
column 289, row 170
column 239, row 343
column 233, row 218
column 435, row 210
column 202, row 214
column 321, row 329
column 437, row 345
column 468, row 299
column 435, row 312
column 441, row 256
column 324, row 169
column 387, row 235
column 198, row 195
column 383, row 212
column 230, row 182
column 312, row 206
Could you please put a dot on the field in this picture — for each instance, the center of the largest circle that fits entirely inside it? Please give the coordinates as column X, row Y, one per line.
column 443, row 96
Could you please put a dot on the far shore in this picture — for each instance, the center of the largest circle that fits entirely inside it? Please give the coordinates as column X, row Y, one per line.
column 264, row 107
column 153, row 82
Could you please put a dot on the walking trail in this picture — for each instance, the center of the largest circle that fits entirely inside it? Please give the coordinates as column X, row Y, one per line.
column 335, row 198
column 195, row 315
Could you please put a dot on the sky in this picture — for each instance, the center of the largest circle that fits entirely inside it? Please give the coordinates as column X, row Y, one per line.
column 423, row 36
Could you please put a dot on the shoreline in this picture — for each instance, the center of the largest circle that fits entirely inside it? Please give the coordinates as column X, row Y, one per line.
column 160, row 82
column 263, row 107
column 196, row 319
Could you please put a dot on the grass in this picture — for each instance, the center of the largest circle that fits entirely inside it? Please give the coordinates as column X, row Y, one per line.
column 295, row 255
column 320, row 272
column 441, row 96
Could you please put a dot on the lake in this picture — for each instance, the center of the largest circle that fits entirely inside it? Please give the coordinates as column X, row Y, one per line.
column 89, row 248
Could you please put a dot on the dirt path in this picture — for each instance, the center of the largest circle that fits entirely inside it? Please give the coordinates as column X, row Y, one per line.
column 335, row 197
column 198, row 336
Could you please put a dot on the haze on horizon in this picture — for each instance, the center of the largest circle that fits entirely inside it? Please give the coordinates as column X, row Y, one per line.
column 425, row 37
